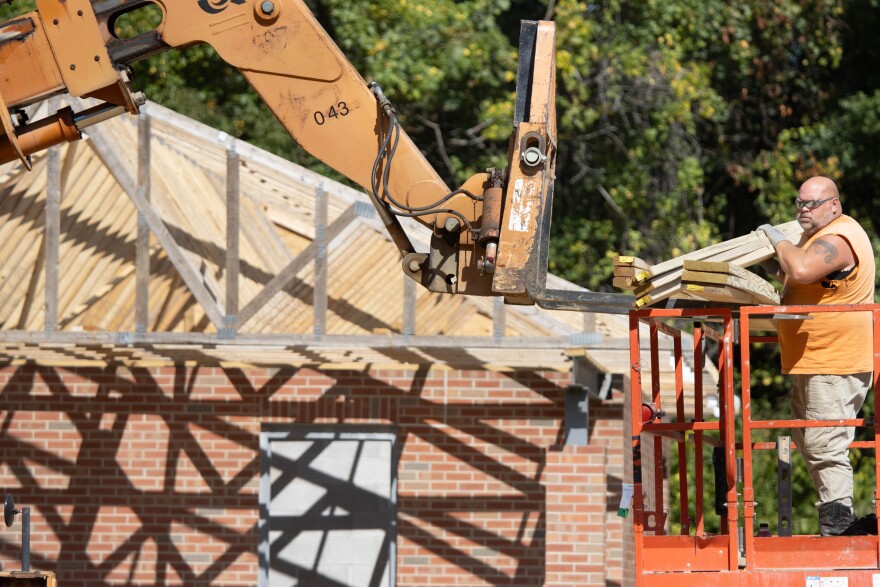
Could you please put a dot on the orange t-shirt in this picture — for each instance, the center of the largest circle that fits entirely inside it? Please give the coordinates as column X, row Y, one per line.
column 832, row 343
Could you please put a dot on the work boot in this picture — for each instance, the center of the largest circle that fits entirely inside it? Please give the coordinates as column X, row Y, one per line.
column 834, row 518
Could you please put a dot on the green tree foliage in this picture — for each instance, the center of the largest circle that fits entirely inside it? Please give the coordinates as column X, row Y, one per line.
column 680, row 122
column 689, row 121
column 630, row 168
column 18, row 8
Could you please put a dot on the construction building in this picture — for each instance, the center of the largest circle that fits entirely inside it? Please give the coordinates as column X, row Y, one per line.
column 214, row 372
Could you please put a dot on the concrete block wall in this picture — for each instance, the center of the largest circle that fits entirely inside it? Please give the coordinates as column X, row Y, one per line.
column 150, row 476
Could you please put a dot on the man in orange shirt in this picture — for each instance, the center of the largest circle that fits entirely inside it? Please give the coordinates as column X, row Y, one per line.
column 829, row 357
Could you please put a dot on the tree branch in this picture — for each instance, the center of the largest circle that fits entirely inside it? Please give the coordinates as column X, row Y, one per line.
column 617, row 210
column 438, row 135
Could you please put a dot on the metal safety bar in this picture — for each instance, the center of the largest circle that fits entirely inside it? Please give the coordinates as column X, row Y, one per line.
column 749, row 424
column 733, row 556
column 658, row 551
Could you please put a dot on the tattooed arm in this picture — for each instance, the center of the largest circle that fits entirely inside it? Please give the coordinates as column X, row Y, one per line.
column 824, row 255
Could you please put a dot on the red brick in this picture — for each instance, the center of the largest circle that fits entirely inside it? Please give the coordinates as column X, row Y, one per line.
column 485, row 495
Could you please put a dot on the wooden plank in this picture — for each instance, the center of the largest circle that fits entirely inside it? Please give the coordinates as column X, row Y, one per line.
column 589, row 322
column 160, row 340
column 74, row 312
column 658, row 294
column 20, row 216
column 260, row 232
column 765, row 292
column 88, row 272
column 33, row 282
column 748, row 258
column 410, row 298
column 663, row 279
column 646, row 275
column 280, row 281
column 718, row 267
column 674, row 283
column 62, row 267
column 85, row 260
column 166, row 290
column 142, row 240
column 625, row 271
column 704, row 253
column 109, row 154
column 631, row 262
column 213, row 292
column 658, row 282
column 265, row 169
column 17, row 246
column 745, row 250
column 281, row 167
column 233, row 232
column 53, row 237
column 720, row 293
column 623, row 282
column 319, row 292
column 499, row 318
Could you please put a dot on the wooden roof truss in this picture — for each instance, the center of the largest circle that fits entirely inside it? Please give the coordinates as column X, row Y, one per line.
column 236, row 327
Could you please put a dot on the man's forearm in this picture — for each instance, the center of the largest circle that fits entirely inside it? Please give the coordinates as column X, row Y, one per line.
column 788, row 256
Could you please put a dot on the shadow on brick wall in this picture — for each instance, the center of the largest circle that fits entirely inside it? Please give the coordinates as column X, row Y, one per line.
column 151, row 476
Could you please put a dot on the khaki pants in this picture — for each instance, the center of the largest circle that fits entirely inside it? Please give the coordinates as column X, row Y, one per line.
column 826, row 450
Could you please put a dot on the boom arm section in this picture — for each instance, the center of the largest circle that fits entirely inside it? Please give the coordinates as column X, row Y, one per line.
column 486, row 236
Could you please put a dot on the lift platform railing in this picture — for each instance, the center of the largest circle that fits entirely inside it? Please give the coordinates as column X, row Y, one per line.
column 767, row 553
column 660, row 551
column 733, row 554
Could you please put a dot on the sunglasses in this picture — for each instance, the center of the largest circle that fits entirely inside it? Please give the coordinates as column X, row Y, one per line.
column 810, row 204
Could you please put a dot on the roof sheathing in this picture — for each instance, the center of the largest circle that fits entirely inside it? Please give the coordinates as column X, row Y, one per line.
column 189, row 161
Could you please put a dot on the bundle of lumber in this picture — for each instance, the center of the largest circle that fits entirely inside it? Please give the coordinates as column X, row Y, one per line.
column 713, row 274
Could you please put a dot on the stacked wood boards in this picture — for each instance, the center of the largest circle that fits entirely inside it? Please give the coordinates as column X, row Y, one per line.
column 713, row 274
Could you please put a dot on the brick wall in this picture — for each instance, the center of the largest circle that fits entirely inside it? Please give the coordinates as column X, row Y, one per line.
column 607, row 430
column 576, row 509
column 150, row 476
